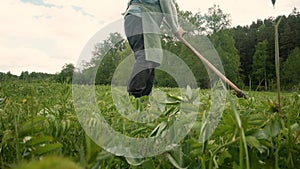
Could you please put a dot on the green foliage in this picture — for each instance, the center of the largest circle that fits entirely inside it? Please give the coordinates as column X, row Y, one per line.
column 26, row 76
column 66, row 74
column 212, row 21
column 216, row 20
column 35, row 119
column 291, row 71
column 224, row 43
column 245, row 41
column 107, row 55
column 259, row 66
column 38, row 120
column 247, row 38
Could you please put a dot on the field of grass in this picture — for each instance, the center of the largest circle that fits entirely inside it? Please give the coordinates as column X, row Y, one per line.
column 39, row 120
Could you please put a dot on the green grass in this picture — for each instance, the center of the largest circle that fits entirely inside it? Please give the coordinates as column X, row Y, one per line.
column 39, row 119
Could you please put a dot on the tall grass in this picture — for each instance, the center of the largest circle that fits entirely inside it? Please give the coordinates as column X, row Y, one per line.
column 38, row 119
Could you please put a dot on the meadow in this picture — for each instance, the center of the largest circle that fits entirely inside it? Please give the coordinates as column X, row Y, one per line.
column 39, row 120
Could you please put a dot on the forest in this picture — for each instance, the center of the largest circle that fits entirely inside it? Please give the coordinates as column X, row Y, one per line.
column 247, row 53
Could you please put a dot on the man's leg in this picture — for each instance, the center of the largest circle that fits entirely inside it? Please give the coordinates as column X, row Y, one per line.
column 142, row 76
column 149, row 82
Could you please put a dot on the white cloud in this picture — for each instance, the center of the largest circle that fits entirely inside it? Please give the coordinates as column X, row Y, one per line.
column 243, row 12
column 28, row 59
column 25, row 25
column 103, row 10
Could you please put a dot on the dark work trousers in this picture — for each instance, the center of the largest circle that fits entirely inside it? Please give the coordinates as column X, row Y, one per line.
column 142, row 77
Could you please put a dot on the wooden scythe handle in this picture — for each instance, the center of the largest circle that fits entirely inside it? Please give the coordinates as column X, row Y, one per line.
column 238, row 91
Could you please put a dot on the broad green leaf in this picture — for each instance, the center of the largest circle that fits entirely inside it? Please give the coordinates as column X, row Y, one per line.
column 134, row 161
column 226, row 154
column 173, row 97
column 31, row 126
column 295, row 127
column 138, row 131
column 2, row 100
column 159, row 129
column 104, row 155
column 47, row 148
column 189, row 107
column 39, row 140
column 171, row 111
column 172, row 102
column 189, row 92
column 260, row 134
column 149, row 164
column 273, row 128
column 174, row 162
column 180, row 152
column 223, row 155
column 92, row 149
column 253, row 142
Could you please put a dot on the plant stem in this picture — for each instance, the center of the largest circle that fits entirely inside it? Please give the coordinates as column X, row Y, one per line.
column 243, row 142
column 277, row 63
column 16, row 139
column 241, row 153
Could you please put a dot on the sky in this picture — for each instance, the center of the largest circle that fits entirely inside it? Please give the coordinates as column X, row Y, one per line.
column 44, row 35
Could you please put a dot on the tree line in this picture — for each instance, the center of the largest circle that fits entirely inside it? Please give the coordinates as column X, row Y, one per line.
column 246, row 52
column 65, row 76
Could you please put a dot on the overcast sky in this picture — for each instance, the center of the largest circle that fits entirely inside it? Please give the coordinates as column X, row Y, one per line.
column 43, row 35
